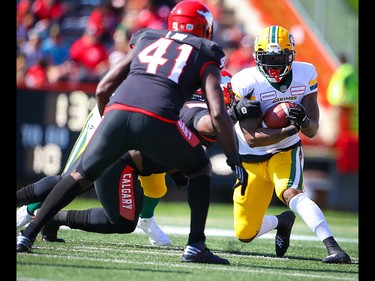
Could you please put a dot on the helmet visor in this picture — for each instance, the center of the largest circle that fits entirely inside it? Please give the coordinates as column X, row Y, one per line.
column 273, row 59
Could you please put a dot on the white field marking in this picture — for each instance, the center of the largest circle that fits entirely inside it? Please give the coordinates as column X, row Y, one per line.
column 230, row 233
column 164, row 265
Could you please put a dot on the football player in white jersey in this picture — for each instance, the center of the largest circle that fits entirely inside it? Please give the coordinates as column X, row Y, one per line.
column 274, row 158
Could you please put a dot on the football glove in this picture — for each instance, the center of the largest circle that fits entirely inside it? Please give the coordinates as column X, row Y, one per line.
column 297, row 116
column 180, row 179
column 235, row 163
column 244, row 108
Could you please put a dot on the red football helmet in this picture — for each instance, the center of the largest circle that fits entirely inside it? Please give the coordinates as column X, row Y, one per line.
column 226, row 85
column 193, row 17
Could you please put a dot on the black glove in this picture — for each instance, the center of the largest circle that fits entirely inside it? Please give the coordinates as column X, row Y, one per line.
column 297, row 116
column 235, row 163
column 180, row 179
column 244, row 108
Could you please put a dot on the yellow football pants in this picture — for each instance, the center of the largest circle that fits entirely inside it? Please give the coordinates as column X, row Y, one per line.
column 282, row 171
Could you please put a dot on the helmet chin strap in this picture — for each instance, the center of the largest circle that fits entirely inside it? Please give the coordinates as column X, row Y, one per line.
column 274, row 73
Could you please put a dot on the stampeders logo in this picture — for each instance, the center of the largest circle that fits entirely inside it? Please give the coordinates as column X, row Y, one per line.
column 126, row 194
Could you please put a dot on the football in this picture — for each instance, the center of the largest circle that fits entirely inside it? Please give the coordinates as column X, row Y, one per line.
column 276, row 116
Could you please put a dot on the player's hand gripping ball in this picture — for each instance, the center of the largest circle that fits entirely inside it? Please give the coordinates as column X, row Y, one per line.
column 277, row 116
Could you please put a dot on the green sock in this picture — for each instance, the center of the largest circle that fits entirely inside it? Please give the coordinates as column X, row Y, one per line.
column 31, row 208
column 149, row 205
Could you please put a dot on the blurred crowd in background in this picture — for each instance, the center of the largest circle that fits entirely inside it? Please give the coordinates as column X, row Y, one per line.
column 78, row 40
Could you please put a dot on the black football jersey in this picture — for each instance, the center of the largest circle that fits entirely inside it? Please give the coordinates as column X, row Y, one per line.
column 165, row 71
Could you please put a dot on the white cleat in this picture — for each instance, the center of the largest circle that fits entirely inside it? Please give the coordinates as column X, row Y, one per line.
column 23, row 217
column 156, row 236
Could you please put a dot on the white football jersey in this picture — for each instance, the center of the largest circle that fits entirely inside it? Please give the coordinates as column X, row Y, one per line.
column 303, row 82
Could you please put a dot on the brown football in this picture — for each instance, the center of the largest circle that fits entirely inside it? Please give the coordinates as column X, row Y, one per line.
column 276, row 116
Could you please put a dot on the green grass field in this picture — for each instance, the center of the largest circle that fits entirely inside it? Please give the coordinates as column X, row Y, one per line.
column 93, row 257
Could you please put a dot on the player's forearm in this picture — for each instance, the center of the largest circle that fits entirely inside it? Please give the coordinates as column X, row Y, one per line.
column 225, row 134
column 311, row 130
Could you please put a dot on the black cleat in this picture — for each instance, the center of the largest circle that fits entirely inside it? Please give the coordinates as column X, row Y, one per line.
column 49, row 232
column 199, row 253
column 337, row 256
column 24, row 243
column 284, row 228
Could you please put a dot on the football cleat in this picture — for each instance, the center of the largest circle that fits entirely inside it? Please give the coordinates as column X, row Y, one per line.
column 156, row 236
column 284, row 228
column 199, row 253
column 23, row 217
column 337, row 256
column 49, row 232
column 24, row 243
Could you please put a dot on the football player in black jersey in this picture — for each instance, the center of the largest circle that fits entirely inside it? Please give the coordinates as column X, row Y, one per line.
column 150, row 86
